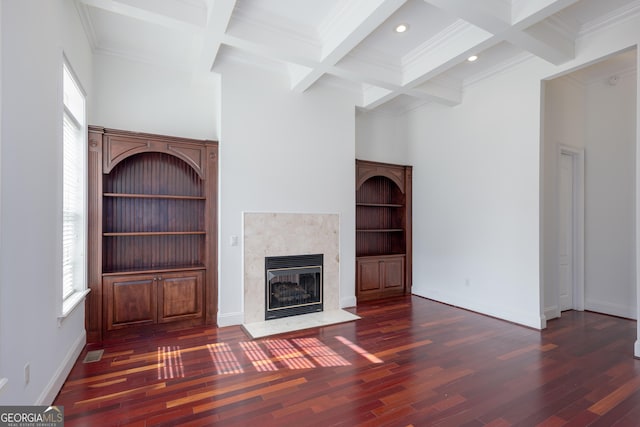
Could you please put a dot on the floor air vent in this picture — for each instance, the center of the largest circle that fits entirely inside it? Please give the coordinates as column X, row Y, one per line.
column 93, row 356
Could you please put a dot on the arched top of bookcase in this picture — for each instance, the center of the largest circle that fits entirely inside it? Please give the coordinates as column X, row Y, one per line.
column 367, row 170
column 120, row 145
column 154, row 173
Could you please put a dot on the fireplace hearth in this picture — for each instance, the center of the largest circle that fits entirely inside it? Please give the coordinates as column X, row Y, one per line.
column 293, row 285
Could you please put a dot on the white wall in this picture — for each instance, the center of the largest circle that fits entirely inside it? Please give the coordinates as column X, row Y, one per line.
column 141, row 97
column 381, row 137
column 282, row 152
column 610, row 197
column 476, row 200
column 34, row 34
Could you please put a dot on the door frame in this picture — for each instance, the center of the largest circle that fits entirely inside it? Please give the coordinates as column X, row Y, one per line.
column 577, row 156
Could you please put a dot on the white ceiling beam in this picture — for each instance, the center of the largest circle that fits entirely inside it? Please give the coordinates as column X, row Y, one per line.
column 430, row 61
column 374, row 94
column 532, row 33
column 426, row 62
column 218, row 17
column 374, row 99
column 298, row 65
column 372, row 78
column 510, row 23
column 270, row 52
column 525, row 13
column 120, row 8
column 493, row 16
column 349, row 30
column 379, row 92
column 346, row 33
column 303, row 81
column 546, row 42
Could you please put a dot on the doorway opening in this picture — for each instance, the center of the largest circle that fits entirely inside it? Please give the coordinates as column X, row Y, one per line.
column 588, row 180
column 571, row 229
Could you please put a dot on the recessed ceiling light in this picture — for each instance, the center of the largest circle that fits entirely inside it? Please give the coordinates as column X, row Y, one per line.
column 472, row 58
column 401, row 28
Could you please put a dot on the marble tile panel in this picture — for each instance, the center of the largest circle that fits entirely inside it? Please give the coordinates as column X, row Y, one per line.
column 283, row 234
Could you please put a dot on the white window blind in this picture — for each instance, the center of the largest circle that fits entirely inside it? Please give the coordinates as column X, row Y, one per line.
column 74, row 204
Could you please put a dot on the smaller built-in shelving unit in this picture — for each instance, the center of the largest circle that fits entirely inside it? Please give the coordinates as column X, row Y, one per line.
column 383, row 230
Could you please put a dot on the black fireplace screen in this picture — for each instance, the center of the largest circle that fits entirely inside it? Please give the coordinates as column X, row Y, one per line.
column 293, row 285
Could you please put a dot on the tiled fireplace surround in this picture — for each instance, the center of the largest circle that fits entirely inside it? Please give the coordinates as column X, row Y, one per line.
column 283, row 234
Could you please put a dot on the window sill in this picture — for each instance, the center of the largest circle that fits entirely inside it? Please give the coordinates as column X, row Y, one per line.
column 69, row 304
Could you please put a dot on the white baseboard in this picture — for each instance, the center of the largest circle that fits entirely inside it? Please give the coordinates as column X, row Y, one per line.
column 348, row 302
column 612, row 309
column 551, row 312
column 51, row 390
column 536, row 321
column 230, row 319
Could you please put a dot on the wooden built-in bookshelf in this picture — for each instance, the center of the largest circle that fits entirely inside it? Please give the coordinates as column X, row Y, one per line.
column 152, row 217
column 383, row 230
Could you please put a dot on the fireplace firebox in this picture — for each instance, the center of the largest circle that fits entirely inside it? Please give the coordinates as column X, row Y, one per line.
column 293, row 285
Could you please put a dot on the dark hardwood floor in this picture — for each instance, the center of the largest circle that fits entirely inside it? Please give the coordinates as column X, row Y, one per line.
column 408, row 361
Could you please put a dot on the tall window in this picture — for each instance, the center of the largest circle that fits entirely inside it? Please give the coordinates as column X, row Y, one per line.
column 74, row 217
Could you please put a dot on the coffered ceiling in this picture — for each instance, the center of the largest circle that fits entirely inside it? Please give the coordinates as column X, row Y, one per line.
column 352, row 44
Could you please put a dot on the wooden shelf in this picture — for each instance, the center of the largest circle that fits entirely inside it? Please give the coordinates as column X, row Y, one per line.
column 145, row 270
column 156, row 233
column 380, row 230
column 385, row 256
column 380, row 205
column 153, row 196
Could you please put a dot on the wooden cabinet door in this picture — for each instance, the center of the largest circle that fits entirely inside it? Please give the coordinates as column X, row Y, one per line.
column 380, row 277
column 393, row 275
column 180, row 296
column 368, row 280
column 130, row 300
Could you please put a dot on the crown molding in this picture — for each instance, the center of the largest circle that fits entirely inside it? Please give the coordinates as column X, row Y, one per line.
column 416, row 55
column 375, row 58
column 198, row 4
column 233, row 55
column 628, row 11
column 561, row 26
column 399, row 109
column 87, row 24
column 151, row 60
column 444, row 81
column 276, row 25
column 330, row 81
column 497, row 69
column 341, row 12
